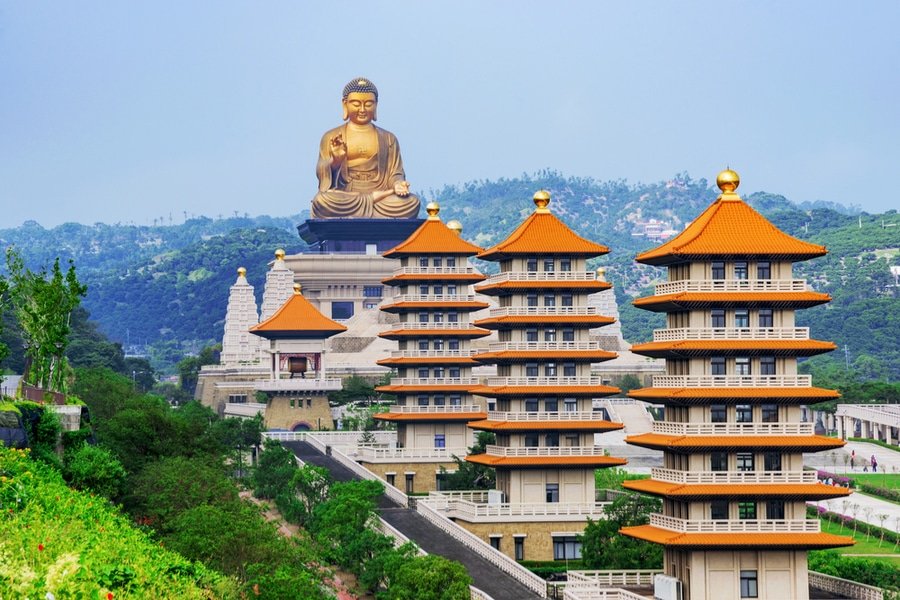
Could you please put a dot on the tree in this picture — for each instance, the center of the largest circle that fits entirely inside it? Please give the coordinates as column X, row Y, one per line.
column 430, row 577
column 603, row 547
column 471, row 476
column 629, row 382
column 274, row 470
column 4, row 296
column 95, row 469
column 337, row 522
column 189, row 368
column 309, row 486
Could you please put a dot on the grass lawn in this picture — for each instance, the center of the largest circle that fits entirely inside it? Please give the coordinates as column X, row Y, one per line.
column 862, row 547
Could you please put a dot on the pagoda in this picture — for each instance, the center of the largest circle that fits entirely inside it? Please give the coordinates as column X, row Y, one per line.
column 433, row 300
column 543, row 420
column 734, row 491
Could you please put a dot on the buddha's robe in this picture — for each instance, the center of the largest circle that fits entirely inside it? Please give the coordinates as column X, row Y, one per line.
column 346, row 192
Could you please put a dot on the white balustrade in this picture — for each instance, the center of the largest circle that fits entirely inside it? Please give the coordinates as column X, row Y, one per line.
column 554, row 276
column 298, row 384
column 735, row 526
column 449, row 325
column 533, row 511
column 544, row 311
column 733, row 477
column 544, row 450
column 436, row 271
column 546, row 381
column 244, row 409
column 435, row 298
column 389, row 490
column 432, row 353
column 743, row 381
column 732, row 429
column 541, row 346
column 731, row 333
column 593, row 591
column 445, row 408
column 634, row 578
column 373, row 454
column 469, row 495
column 844, row 588
column 434, row 381
column 731, row 285
column 883, row 414
column 579, row 415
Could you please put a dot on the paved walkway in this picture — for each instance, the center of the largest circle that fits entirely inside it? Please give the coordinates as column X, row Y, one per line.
column 486, row 576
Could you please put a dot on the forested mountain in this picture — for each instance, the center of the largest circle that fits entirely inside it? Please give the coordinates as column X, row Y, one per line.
column 167, row 285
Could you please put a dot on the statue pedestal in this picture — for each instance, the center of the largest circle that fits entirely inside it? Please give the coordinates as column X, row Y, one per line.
column 362, row 236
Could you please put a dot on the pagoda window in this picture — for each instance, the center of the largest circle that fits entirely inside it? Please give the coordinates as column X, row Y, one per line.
column 745, row 461
column 769, row 413
column 440, row 441
column 531, row 335
column 764, row 270
column 551, row 440
column 747, row 511
column 742, row 318
column 423, row 372
column 743, row 413
column 775, row 509
column 549, row 335
column 495, row 542
column 572, row 440
column 531, row 265
column 550, row 370
column 566, row 300
column 742, row 365
column 438, row 344
column 548, row 265
column 566, row 547
column 437, row 317
column 741, row 270
column 453, row 344
column 551, row 405
column 531, row 300
column 772, row 461
column 453, row 317
column 718, row 510
column 531, row 404
column 423, row 261
column 569, row 369
column 552, row 490
column 717, row 365
column 531, row 369
column 749, row 584
column 718, row 270
column 439, row 401
column 565, row 264
column 437, row 262
column 519, row 543
column 423, row 317
column 570, row 404
column 451, row 261
column 451, row 290
column 439, row 372
column 453, row 372
column 717, row 318
column 568, row 335
column 532, row 440
column 438, row 290
column 455, row 400
column 766, row 318
column 718, row 461
column 422, row 400
column 549, row 300
column 717, row 413
column 423, row 290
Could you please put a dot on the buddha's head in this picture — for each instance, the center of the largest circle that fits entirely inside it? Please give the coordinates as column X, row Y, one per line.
column 360, row 101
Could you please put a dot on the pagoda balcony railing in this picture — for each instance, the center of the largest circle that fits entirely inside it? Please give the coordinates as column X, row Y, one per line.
column 735, row 526
column 374, row 453
column 432, row 353
column 436, row 271
column 472, row 511
column 476, row 496
column 444, row 408
column 541, row 276
column 545, row 311
column 544, row 450
column 732, row 477
column 732, row 429
column 431, row 325
column 545, row 381
column 434, row 381
column 731, row 285
column 540, row 346
column 731, row 333
column 580, row 415
column 435, row 298
column 297, row 384
column 743, row 381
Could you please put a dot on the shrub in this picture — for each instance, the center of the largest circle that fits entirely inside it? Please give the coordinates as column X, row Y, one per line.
column 869, row 572
column 890, row 494
column 89, row 468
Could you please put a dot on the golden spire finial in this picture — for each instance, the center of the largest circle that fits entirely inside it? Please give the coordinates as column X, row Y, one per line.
column 298, row 288
column 279, row 254
column 242, row 272
column 601, row 273
column 541, row 200
column 433, row 208
column 728, row 181
column 455, row 226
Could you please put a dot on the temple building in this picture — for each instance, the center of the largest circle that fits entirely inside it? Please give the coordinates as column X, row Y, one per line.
column 542, row 418
column 734, row 491
column 434, row 300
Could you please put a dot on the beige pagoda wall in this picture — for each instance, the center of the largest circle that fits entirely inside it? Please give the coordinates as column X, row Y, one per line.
column 538, row 540
column 280, row 414
column 529, row 485
column 716, row 575
column 424, row 481
column 421, row 435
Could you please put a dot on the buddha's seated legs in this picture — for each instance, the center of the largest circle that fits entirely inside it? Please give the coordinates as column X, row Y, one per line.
column 344, row 204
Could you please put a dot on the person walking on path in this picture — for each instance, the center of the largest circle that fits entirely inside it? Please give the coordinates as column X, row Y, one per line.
column 874, row 464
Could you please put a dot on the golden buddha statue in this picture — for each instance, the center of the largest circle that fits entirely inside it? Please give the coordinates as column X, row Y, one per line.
column 360, row 170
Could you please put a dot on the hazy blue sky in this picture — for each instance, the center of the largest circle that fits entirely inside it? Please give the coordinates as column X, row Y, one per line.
column 129, row 111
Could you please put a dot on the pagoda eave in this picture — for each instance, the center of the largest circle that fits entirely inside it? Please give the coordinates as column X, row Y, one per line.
column 429, row 360
column 703, row 348
column 411, row 278
column 681, row 491
column 526, row 321
column 503, row 287
column 399, row 389
column 706, row 300
column 400, row 334
column 507, row 356
column 436, row 417
column 686, row 396
column 541, row 462
column 462, row 306
column 545, row 390
column 737, row 541
column 701, row 443
column 598, row 426
column 664, row 260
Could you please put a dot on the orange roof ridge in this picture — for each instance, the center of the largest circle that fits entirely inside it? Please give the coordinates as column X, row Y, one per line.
column 298, row 318
column 543, row 232
column 433, row 237
column 713, row 234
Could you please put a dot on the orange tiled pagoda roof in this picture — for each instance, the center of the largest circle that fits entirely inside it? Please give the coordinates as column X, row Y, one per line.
column 498, row 322
column 544, row 390
column 666, row 537
column 516, row 355
column 396, row 334
column 730, row 227
column 543, row 233
column 427, row 360
column 803, row 491
column 778, row 347
column 397, row 307
column 545, row 461
column 702, row 395
column 433, row 237
column 401, row 278
column 395, row 417
column 297, row 318
column 687, row 443
column 598, row 426
column 686, row 300
column 493, row 289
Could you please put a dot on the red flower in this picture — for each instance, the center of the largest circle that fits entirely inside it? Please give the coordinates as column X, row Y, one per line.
column 40, row 547
column 109, row 596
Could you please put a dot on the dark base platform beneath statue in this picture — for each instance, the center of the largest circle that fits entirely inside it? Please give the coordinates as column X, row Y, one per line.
column 364, row 236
